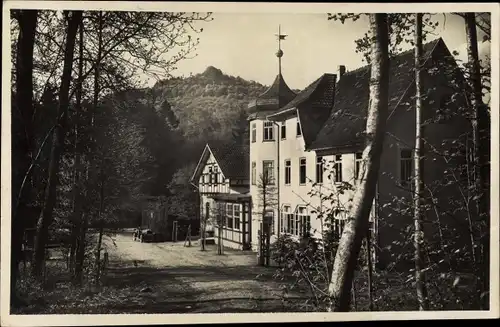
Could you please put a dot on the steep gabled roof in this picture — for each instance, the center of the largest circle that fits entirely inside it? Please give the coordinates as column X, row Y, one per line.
column 312, row 105
column 347, row 120
column 318, row 93
column 231, row 157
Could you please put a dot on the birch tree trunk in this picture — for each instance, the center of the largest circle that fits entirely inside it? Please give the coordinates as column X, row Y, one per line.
column 45, row 219
column 419, row 180
column 21, row 152
column 369, row 270
column 480, row 130
column 357, row 225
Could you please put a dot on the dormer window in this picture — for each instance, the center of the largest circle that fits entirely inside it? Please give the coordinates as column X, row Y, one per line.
column 268, row 131
column 299, row 129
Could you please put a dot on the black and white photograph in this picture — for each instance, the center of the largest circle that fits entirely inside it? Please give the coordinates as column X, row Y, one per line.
column 172, row 159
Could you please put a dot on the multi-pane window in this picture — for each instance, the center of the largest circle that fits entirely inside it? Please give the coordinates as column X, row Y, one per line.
column 268, row 170
column 319, row 169
column 254, row 133
column 269, row 216
column 298, row 224
column 254, row 173
column 233, row 216
column 357, row 165
column 337, row 169
column 288, row 172
column 268, row 131
column 299, row 130
column 405, row 173
column 302, row 170
column 237, row 216
column 285, row 219
column 283, row 130
column 216, row 175
column 229, row 216
column 203, row 179
column 339, row 221
column 210, row 175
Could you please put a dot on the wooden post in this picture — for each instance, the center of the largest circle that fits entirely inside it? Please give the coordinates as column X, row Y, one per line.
column 188, row 236
column 174, row 231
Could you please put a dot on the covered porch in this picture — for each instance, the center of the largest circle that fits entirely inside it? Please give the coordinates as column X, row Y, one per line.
column 231, row 220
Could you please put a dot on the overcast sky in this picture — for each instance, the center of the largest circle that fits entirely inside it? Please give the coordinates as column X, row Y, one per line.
column 245, row 44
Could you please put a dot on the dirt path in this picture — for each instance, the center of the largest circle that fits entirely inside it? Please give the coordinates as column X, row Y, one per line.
column 175, row 278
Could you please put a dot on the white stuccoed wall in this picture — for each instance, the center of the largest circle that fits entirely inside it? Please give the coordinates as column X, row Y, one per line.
column 293, row 195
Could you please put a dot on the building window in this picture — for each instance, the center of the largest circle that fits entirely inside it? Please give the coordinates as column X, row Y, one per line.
column 269, row 221
column 229, row 216
column 299, row 129
column 210, row 174
column 339, row 221
column 254, row 133
column 405, row 166
column 283, row 130
column 237, row 216
column 203, row 179
column 285, row 219
column 337, row 169
column 268, row 131
column 216, row 175
column 300, row 222
column 319, row 170
column 357, row 165
column 254, row 173
column 268, row 171
column 302, row 171
column 288, row 172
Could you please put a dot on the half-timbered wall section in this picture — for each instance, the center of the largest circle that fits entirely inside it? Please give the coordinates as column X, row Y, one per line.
column 224, row 204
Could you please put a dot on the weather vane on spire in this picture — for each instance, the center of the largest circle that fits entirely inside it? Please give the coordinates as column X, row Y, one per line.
column 279, row 54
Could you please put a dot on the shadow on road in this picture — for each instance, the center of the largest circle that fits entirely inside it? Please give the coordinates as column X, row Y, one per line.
column 197, row 289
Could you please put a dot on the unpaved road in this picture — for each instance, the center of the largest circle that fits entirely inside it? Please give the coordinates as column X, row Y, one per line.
column 174, row 278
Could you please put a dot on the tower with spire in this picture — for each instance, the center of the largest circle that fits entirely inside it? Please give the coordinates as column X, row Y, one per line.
column 264, row 145
column 278, row 94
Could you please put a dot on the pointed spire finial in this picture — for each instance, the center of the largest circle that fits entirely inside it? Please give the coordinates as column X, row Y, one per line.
column 279, row 53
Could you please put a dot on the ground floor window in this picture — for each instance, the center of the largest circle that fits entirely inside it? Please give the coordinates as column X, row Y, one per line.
column 296, row 223
column 269, row 220
column 339, row 221
column 233, row 216
column 285, row 219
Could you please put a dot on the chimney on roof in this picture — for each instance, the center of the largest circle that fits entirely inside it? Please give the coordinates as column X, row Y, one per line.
column 341, row 70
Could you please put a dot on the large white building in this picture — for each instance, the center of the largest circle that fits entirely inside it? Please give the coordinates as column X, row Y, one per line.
column 309, row 146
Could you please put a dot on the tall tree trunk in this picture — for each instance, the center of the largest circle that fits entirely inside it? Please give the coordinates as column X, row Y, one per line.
column 80, row 249
column 22, row 129
column 355, row 229
column 481, row 141
column 101, row 231
column 419, row 178
column 97, row 90
column 76, row 221
column 57, row 145
column 369, row 270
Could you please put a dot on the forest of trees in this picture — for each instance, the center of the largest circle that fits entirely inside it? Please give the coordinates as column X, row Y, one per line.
column 90, row 143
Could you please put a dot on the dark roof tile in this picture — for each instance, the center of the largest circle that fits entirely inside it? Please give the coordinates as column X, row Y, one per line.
column 232, row 157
